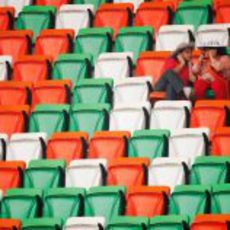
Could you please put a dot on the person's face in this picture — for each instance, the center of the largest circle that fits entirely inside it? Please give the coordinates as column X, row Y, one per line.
column 187, row 54
column 212, row 52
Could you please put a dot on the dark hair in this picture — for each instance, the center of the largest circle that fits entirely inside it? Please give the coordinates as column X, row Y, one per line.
column 220, row 50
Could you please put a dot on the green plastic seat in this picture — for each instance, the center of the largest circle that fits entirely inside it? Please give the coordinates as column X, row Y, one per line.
column 95, row 3
column 217, row 168
column 220, row 202
column 21, row 203
column 194, row 13
column 134, row 39
column 72, row 66
column 44, row 174
column 94, row 41
column 149, row 143
column 105, row 201
column 71, row 201
column 42, row 224
column 36, row 18
column 172, row 222
column 128, row 223
column 89, row 118
column 190, row 200
column 93, row 91
column 49, row 119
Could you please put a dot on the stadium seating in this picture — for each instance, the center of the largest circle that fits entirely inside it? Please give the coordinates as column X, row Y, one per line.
column 112, row 198
column 94, row 41
column 21, row 203
column 93, row 91
column 67, row 146
column 18, row 5
column 128, row 171
column 149, row 143
column 5, row 67
column 8, row 224
column 222, row 9
column 3, row 145
column 147, row 201
column 108, row 145
column 44, row 174
column 92, row 170
column 32, row 68
column 56, row 3
column 6, row 18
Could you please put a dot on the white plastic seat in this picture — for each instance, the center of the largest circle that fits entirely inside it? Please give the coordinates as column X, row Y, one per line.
column 169, row 37
column 134, row 89
column 114, row 65
column 26, row 146
column 3, row 2
column 86, row 173
column 3, row 144
column 18, row 5
column 129, row 116
column 190, row 143
column 5, row 63
column 170, row 115
column 1, row 194
column 167, row 171
column 136, row 3
column 74, row 17
column 84, row 223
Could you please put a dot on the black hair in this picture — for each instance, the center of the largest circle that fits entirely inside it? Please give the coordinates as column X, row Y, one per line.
column 220, row 50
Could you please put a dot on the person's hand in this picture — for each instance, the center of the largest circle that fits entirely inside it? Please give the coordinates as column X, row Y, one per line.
column 181, row 59
column 201, row 58
column 211, row 55
column 192, row 78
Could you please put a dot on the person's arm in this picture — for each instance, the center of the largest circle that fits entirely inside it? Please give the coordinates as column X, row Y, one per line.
column 196, row 68
column 192, row 76
column 180, row 65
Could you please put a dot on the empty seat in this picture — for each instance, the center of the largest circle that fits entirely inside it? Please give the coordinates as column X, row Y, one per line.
column 61, row 38
column 128, row 171
column 51, row 92
column 147, row 201
column 140, row 36
column 3, row 144
column 177, row 33
column 69, row 199
column 21, row 203
column 73, row 67
column 18, row 5
column 170, row 115
column 26, row 146
column 6, row 18
column 32, row 68
column 114, row 65
column 44, row 174
column 107, row 12
column 49, row 119
column 42, row 223
column 86, row 173
column 89, row 117
column 84, row 223
column 94, row 41
column 196, row 197
column 129, row 116
column 11, row 174
column 9, row 224
column 194, row 12
column 151, row 63
column 154, row 14
column 149, row 143
column 13, row 119
column 222, row 9
column 189, row 143
column 220, row 142
column 74, row 17
column 217, row 168
column 168, row 171
column 108, row 145
column 67, row 145
column 112, row 198
column 15, row 43
column 93, row 91
column 5, row 67
column 56, row 3
column 132, row 89
column 36, row 18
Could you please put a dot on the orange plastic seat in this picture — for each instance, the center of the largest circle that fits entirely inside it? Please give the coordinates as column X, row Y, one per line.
column 15, row 42
column 67, row 145
column 11, row 174
column 154, row 14
column 147, row 201
column 222, row 11
column 114, row 15
column 51, row 92
column 6, row 18
column 157, row 96
column 220, row 142
column 174, row 2
column 128, row 171
column 108, row 145
column 56, row 3
column 13, row 119
column 54, row 42
column 32, row 68
column 151, row 63
column 14, row 93
column 10, row 224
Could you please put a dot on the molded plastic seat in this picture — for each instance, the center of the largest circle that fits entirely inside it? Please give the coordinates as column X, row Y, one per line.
column 6, row 18
column 3, row 144
column 56, row 3
column 9, row 224
column 5, row 67
column 222, row 9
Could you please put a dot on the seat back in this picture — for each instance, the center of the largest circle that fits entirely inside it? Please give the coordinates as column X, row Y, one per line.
column 3, row 144
column 5, row 67
column 56, row 3
column 18, row 5
column 6, row 18
column 8, row 224
column 222, row 10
